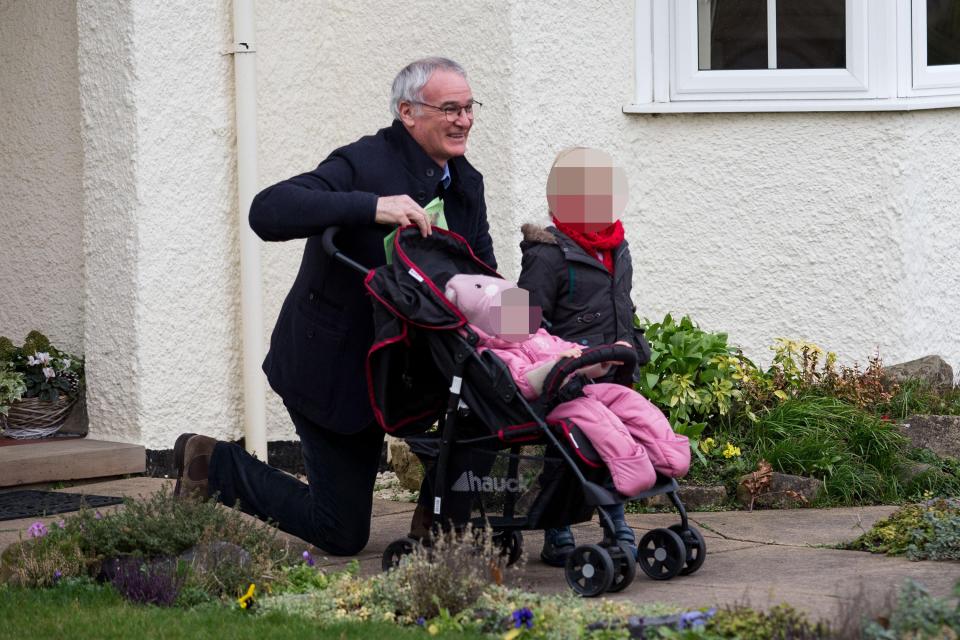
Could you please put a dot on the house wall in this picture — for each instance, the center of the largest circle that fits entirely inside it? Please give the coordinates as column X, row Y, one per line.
column 41, row 245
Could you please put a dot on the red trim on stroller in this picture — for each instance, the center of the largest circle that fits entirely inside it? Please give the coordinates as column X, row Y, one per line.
column 570, row 436
column 373, row 402
column 404, row 319
column 526, row 432
column 406, row 260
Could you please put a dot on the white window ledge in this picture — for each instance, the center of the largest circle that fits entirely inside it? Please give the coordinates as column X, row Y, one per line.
column 765, row 106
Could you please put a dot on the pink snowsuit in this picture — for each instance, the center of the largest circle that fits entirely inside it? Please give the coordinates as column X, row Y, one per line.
column 632, row 436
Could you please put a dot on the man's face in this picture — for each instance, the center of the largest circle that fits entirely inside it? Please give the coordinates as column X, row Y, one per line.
column 441, row 140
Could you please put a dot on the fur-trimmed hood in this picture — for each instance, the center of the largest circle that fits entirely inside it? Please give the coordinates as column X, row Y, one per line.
column 536, row 233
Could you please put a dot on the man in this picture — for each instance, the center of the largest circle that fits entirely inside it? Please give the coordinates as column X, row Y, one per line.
column 325, row 328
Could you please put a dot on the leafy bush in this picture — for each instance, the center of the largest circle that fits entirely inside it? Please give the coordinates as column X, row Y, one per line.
column 690, row 376
column 925, row 531
column 802, row 368
column 856, row 454
column 918, row 616
column 448, row 576
column 781, row 621
column 157, row 527
column 43, row 560
column 12, row 387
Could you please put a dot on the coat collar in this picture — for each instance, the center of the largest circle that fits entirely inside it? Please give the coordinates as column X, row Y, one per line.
column 422, row 166
column 571, row 250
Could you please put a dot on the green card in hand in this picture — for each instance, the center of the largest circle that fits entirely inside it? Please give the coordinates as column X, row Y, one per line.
column 435, row 217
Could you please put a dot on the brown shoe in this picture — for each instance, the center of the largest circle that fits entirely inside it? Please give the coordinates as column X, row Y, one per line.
column 195, row 465
column 178, row 448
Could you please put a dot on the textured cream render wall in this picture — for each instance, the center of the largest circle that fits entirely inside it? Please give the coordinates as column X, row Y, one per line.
column 161, row 234
column 41, row 243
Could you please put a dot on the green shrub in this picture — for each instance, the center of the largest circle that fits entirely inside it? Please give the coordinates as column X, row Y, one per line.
column 781, row 621
column 690, row 375
column 925, row 531
column 43, row 561
column 856, row 454
column 917, row 616
column 159, row 526
column 448, row 576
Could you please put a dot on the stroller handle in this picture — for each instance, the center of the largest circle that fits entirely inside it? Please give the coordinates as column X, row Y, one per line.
column 567, row 366
column 331, row 249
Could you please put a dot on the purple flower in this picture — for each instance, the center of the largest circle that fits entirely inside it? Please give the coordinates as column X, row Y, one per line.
column 37, row 530
column 57, row 575
column 693, row 619
column 62, row 524
column 421, row 621
column 97, row 515
column 308, row 558
column 523, row 618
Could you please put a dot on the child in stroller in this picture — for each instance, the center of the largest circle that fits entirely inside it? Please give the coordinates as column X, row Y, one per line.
column 632, row 436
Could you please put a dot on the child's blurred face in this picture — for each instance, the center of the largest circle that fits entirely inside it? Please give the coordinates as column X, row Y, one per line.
column 585, row 190
column 514, row 319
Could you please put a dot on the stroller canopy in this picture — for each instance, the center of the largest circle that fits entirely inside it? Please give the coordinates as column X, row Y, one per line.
column 415, row 327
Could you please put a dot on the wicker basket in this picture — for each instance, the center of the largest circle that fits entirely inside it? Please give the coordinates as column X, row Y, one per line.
column 30, row 418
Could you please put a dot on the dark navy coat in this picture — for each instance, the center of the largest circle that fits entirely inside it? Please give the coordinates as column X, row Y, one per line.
column 580, row 299
column 325, row 327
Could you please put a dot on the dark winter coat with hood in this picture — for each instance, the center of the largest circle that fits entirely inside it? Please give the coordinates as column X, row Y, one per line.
column 580, row 299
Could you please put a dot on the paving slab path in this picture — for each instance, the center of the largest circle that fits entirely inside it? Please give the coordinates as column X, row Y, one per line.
column 760, row 558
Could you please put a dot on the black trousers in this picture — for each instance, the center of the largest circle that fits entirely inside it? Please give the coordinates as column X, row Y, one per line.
column 332, row 511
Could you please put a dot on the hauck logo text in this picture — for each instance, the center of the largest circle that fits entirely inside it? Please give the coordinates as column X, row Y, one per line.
column 469, row 482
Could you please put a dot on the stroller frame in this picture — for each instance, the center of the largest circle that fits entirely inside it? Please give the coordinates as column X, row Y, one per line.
column 591, row 569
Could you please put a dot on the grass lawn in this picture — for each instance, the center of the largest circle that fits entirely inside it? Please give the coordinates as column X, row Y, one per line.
column 89, row 611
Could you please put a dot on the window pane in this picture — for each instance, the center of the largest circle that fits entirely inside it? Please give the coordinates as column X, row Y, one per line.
column 811, row 34
column 732, row 34
column 943, row 32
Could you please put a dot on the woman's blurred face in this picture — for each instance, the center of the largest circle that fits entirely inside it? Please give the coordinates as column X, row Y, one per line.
column 585, row 190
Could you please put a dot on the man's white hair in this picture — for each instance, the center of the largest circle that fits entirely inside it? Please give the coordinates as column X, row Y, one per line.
column 409, row 83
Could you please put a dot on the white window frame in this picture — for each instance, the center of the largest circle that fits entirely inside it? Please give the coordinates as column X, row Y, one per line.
column 927, row 80
column 885, row 54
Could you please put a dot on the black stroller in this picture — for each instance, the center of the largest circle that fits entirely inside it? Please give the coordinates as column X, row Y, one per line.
column 489, row 454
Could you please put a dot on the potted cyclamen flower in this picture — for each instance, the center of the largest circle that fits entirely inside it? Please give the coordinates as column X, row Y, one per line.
column 51, row 382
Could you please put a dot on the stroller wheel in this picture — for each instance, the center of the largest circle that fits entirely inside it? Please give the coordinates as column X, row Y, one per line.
column 395, row 551
column 511, row 545
column 624, row 566
column 661, row 554
column 696, row 548
column 589, row 570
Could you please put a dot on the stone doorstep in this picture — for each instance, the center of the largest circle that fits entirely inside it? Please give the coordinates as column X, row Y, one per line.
column 69, row 459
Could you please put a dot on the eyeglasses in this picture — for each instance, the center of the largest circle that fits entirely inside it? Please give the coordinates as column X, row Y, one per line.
column 452, row 113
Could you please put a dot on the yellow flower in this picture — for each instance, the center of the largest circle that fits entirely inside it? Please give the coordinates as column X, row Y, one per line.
column 246, row 600
column 731, row 451
column 707, row 444
column 433, row 629
column 513, row 633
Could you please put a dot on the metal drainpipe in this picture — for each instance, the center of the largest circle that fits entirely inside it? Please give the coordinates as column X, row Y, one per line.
column 251, row 288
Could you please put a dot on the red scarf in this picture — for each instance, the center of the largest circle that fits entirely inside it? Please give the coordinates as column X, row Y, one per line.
column 601, row 242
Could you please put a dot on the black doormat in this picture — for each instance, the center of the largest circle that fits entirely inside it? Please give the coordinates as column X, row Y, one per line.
column 28, row 503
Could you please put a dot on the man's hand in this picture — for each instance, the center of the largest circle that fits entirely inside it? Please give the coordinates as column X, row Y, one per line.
column 402, row 210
